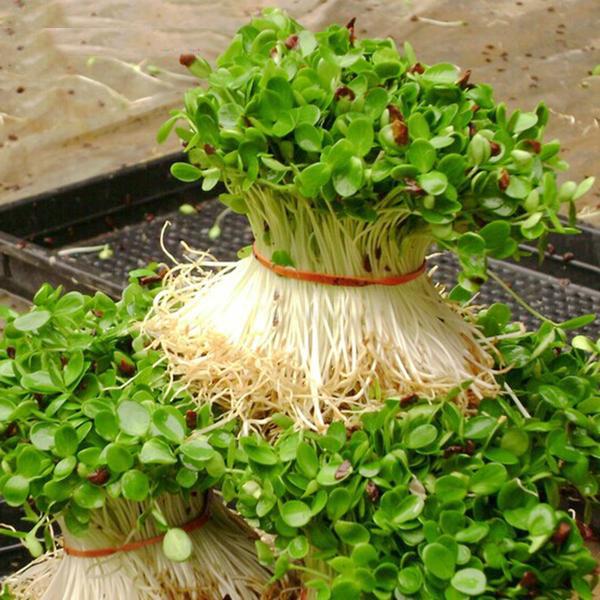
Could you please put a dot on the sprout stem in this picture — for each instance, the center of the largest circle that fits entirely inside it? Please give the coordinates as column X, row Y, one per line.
column 518, row 298
column 441, row 23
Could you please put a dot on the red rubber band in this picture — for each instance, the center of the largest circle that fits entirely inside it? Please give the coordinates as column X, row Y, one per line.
column 192, row 525
column 340, row 280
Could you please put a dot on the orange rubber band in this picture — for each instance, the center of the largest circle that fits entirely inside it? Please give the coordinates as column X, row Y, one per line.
column 192, row 525
column 340, row 280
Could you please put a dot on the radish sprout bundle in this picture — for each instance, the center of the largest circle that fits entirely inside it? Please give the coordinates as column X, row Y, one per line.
column 94, row 440
column 220, row 562
column 350, row 161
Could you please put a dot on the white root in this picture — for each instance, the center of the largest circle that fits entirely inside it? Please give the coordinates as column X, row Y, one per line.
column 223, row 561
column 254, row 343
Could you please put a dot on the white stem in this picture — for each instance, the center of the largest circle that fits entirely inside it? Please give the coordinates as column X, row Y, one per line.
column 80, row 250
column 516, row 400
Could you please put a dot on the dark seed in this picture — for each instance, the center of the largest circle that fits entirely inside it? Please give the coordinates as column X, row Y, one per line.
column 149, row 279
column 372, row 491
column 20, row 89
column 350, row 26
column 472, row 129
column 400, row 131
column 417, row 68
column 408, row 400
column 467, row 448
column 464, row 79
column 344, row 92
column 503, row 180
column 64, row 360
column 100, row 476
column 495, row 148
column 342, row 470
column 535, row 145
column 412, row 187
column 452, row 450
column 187, row 60
column 367, row 264
column 585, row 530
column 191, row 419
column 399, row 127
column 11, row 430
column 126, row 367
column 209, row 149
column 561, row 534
column 528, row 580
column 550, row 249
column 568, row 257
column 11, row 352
column 291, row 42
column 350, row 429
column 395, row 114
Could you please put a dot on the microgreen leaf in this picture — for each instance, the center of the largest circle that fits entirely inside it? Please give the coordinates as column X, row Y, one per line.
column 471, row 582
column 134, row 418
column 295, row 513
column 31, row 321
column 177, row 545
column 185, row 172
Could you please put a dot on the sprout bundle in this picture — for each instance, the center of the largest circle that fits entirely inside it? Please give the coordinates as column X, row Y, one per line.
column 350, row 159
column 91, row 429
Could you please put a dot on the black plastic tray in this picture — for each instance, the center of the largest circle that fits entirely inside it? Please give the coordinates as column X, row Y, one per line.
column 13, row 554
column 127, row 210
